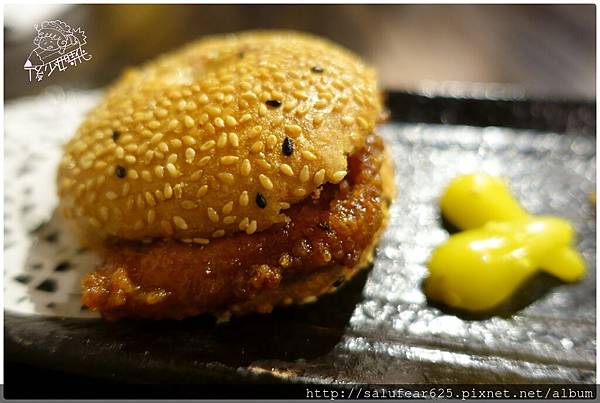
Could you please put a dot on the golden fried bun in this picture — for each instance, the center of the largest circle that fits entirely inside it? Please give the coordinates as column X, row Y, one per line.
column 221, row 136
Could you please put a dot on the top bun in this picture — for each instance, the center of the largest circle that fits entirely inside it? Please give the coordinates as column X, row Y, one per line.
column 220, row 136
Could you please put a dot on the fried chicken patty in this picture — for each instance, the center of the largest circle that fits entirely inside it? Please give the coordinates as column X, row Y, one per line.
column 325, row 234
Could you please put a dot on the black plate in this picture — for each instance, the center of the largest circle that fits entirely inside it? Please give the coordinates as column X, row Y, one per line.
column 379, row 328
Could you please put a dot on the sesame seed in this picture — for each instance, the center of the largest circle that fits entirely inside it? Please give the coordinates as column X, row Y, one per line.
column 347, row 120
column 257, row 147
column 256, row 130
column 155, row 124
column 218, row 233
column 287, row 147
column 308, row 155
column 271, row 141
column 202, row 190
column 147, row 176
column 362, row 122
column 304, row 174
column 110, row 195
column 263, row 164
column 168, row 191
column 188, row 121
column 317, row 69
column 213, row 110
column 196, row 175
column 190, row 154
column 337, row 177
column 319, row 177
column 227, row 207
column 249, row 96
column 162, row 146
column 272, row 103
column 159, row 171
column 207, row 145
column 317, row 120
column 151, row 216
column 219, row 122
column 172, row 159
column 150, row 199
column 244, row 199
column 222, row 140
column 245, row 118
column 133, row 174
column 173, row 123
column 261, row 201
column 226, row 177
column 120, row 152
column 230, row 121
column 320, row 104
column 229, row 159
column 204, row 160
column 201, row 241
column 230, row 219
column 148, row 156
column 213, row 215
column 265, row 182
column 234, row 140
column 262, row 110
column 284, row 205
column 180, row 222
column 120, row 171
column 299, row 192
column 294, row 130
column 286, row 169
column 172, row 170
column 156, row 138
column 188, row 205
column 300, row 95
column 251, row 229
column 188, row 140
column 244, row 224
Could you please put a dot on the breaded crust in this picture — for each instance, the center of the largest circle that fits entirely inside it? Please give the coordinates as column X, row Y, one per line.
column 311, row 287
column 330, row 235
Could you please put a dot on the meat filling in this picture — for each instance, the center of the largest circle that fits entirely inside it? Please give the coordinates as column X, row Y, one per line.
column 172, row 279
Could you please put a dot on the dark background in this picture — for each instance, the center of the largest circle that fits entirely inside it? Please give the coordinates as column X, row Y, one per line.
column 545, row 50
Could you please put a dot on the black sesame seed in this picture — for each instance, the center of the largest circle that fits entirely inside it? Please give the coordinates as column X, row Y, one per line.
column 120, row 171
column 115, row 135
column 242, row 54
column 272, row 103
column 287, row 147
column 317, row 69
column 261, row 201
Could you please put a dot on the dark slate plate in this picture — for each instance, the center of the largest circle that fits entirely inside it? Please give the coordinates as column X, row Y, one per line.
column 379, row 328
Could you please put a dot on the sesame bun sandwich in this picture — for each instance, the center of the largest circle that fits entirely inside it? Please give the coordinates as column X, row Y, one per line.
column 237, row 174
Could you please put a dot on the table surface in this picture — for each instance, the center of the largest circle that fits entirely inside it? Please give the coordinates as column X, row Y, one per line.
column 547, row 50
